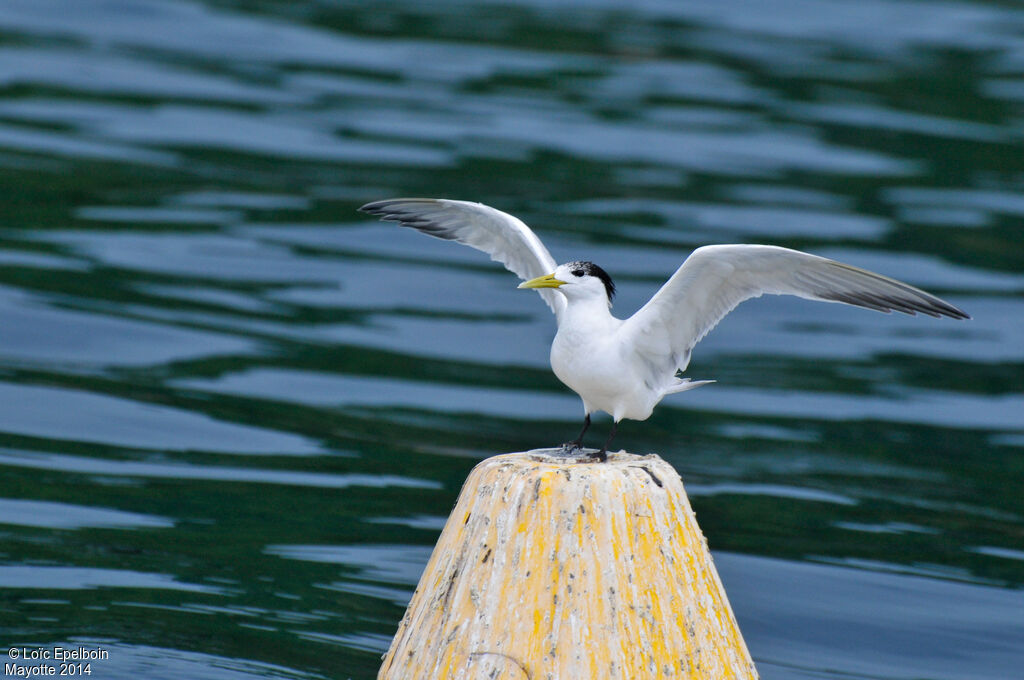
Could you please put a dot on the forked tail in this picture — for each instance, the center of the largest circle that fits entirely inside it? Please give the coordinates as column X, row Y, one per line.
column 683, row 384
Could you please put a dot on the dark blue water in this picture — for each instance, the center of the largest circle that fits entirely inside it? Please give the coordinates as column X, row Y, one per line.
column 235, row 412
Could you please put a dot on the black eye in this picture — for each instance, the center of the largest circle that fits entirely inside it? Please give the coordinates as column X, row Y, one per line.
column 577, row 272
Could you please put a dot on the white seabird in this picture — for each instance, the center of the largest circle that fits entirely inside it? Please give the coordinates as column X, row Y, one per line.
column 624, row 367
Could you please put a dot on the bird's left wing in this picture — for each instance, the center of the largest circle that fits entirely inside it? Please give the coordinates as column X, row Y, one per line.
column 505, row 238
column 715, row 279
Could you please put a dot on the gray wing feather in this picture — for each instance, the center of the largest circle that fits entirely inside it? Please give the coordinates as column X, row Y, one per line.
column 715, row 279
column 504, row 237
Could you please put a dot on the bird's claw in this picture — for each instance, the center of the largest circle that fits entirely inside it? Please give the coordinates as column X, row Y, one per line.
column 569, row 448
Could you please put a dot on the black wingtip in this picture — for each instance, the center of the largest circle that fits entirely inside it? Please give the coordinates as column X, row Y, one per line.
column 396, row 210
column 922, row 303
column 959, row 314
column 384, row 210
column 373, row 207
column 943, row 308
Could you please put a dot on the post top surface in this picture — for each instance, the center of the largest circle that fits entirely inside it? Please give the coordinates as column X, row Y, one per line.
column 559, row 457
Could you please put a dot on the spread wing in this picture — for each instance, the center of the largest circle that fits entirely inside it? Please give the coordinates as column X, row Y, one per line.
column 715, row 279
column 505, row 238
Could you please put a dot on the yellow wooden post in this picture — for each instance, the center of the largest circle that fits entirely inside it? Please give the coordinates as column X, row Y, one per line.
column 563, row 569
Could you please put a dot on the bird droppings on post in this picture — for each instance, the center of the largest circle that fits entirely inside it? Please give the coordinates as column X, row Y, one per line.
column 553, row 568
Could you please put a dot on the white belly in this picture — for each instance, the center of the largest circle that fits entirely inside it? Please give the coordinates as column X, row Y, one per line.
column 594, row 367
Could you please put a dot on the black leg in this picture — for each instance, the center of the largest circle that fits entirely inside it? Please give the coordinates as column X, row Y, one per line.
column 578, row 442
column 602, row 455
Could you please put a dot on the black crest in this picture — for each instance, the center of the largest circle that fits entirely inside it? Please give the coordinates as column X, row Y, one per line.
column 592, row 269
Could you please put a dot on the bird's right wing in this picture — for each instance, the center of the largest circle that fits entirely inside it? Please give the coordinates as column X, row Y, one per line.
column 715, row 279
column 505, row 238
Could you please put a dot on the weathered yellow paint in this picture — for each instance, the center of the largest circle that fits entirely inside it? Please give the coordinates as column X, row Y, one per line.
column 558, row 569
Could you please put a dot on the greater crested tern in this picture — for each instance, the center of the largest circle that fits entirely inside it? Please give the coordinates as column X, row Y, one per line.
column 624, row 367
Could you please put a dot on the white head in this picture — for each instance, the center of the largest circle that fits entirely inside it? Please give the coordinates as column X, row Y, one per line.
column 577, row 281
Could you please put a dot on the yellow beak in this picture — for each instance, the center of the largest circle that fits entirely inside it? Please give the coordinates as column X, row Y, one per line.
column 548, row 281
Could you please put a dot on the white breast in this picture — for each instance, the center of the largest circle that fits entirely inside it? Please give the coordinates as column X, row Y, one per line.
column 595, row 365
